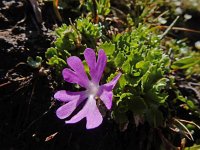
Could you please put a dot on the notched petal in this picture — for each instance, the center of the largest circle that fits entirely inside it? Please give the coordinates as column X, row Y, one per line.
column 90, row 57
column 76, row 64
column 100, row 66
column 66, row 96
column 106, row 97
column 105, row 91
column 91, row 112
column 94, row 117
column 110, row 85
column 67, row 109
column 70, row 76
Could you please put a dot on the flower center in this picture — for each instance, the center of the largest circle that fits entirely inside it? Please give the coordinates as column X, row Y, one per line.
column 92, row 88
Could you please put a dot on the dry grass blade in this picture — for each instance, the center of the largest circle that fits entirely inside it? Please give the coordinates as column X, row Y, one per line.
column 51, row 137
column 169, row 28
column 190, row 122
column 36, row 10
column 179, row 28
column 55, row 7
column 184, row 127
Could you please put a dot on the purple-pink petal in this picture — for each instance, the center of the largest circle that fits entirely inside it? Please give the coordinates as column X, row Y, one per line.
column 105, row 91
column 67, row 109
column 72, row 77
column 93, row 117
column 96, row 67
column 66, row 96
column 73, row 99
column 106, row 97
column 77, row 75
column 90, row 58
column 76, row 64
column 110, row 85
column 91, row 112
column 101, row 63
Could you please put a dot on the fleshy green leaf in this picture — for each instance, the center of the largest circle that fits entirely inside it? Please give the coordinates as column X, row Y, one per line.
column 126, row 67
column 108, row 47
column 34, row 63
column 120, row 58
column 51, row 52
column 122, row 81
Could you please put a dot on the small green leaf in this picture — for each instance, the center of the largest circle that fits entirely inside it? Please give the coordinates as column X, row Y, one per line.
column 185, row 62
column 161, row 84
column 108, row 47
column 154, row 96
column 126, row 96
column 189, row 103
column 136, row 74
column 86, row 67
column 122, row 81
column 120, row 58
column 194, row 147
column 34, row 63
column 59, row 31
column 143, row 66
column 56, row 61
column 126, row 67
column 140, row 64
column 51, row 52
column 150, row 77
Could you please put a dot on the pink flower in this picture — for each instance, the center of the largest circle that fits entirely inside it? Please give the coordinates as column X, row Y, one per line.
column 78, row 75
